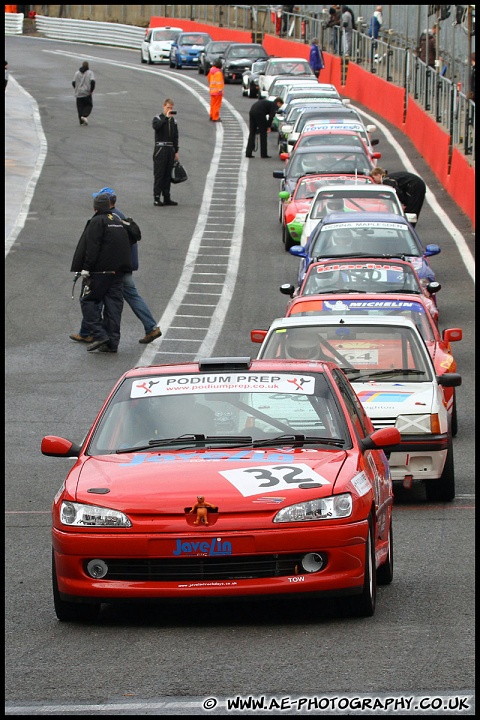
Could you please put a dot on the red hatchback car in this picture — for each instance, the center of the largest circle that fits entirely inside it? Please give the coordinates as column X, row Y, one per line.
column 224, row 478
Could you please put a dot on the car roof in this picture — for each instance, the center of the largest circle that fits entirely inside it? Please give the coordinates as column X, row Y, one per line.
column 380, row 218
column 307, row 321
column 315, row 149
column 250, row 45
column 288, row 59
column 360, row 260
column 222, row 365
column 369, row 188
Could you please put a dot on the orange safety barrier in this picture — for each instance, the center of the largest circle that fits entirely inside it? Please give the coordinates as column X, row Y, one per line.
column 460, row 184
column 379, row 95
column 11, row 8
column 429, row 139
column 215, row 32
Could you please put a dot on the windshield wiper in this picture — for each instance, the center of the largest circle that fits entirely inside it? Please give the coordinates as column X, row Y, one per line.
column 380, row 373
column 189, row 439
column 298, row 440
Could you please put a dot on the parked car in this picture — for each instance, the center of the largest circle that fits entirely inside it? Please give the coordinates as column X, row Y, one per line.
column 240, row 57
column 344, row 235
column 364, row 275
column 283, row 66
column 392, row 373
column 224, row 478
column 295, row 206
column 345, row 198
column 418, row 308
column 330, row 160
column 157, row 44
column 215, row 50
column 250, row 77
column 186, row 49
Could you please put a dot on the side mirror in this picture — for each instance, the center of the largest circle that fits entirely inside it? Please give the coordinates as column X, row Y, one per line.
column 59, row 447
column 284, row 195
column 450, row 334
column 433, row 287
column 298, row 251
column 411, row 217
column 377, row 156
column 278, row 174
column 431, row 249
column 284, row 156
column 371, row 128
column 258, row 336
column 449, row 380
column 287, row 289
column 385, row 437
column 375, row 141
column 346, row 101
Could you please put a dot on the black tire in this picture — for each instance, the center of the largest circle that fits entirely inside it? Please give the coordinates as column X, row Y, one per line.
column 252, row 91
column 171, row 63
column 385, row 571
column 443, row 489
column 454, row 422
column 144, row 62
column 227, row 79
column 200, row 69
column 280, row 211
column 364, row 605
column 287, row 238
column 150, row 61
column 70, row 611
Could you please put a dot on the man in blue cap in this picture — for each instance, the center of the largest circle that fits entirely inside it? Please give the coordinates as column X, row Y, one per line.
column 130, row 291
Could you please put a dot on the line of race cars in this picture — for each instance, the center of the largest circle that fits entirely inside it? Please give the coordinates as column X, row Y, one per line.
column 229, row 477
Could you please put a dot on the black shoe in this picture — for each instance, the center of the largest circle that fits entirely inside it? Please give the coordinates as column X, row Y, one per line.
column 97, row 344
column 106, row 349
column 170, row 202
column 266, row 156
column 250, row 156
column 157, row 201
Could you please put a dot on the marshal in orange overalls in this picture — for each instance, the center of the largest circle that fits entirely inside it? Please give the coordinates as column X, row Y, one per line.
column 217, row 86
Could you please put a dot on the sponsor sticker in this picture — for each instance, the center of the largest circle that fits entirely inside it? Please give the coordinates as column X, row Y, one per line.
column 254, row 480
column 222, row 382
column 361, row 484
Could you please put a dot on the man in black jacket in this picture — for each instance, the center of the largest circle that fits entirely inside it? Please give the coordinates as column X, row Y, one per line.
column 102, row 256
column 165, row 153
column 261, row 116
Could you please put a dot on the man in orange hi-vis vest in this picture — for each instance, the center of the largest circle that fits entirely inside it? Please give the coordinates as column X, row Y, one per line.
column 217, row 86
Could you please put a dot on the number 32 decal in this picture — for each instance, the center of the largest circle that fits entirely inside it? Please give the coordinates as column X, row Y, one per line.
column 251, row 481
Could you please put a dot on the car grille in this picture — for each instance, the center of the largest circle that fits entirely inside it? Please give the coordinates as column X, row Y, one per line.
column 379, row 423
column 202, row 568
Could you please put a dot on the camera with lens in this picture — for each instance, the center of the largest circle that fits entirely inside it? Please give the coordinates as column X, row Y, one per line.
column 173, row 112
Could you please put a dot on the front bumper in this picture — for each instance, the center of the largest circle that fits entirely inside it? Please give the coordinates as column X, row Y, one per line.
column 342, row 547
column 421, row 456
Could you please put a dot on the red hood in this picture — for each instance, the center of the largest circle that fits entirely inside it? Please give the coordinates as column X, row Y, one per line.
column 236, row 479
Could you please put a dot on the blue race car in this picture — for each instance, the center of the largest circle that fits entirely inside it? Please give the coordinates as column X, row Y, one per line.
column 186, row 49
column 384, row 235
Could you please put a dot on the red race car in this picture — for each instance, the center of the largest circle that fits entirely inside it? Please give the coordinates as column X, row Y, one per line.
column 224, row 478
column 295, row 206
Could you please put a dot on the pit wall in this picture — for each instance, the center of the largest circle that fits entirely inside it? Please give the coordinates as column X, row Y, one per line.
column 383, row 98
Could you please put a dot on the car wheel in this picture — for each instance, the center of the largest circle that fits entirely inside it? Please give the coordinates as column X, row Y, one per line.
column 443, row 489
column 287, row 238
column 454, row 415
column 172, row 64
column 150, row 61
column 252, row 91
column 142, row 59
column 364, row 605
column 227, row 79
column 70, row 611
column 385, row 571
column 280, row 211
column 200, row 69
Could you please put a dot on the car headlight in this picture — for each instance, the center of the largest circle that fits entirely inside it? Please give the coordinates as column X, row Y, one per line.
column 329, row 508
column 80, row 515
column 415, row 424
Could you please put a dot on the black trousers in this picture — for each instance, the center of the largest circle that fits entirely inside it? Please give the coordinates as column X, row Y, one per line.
column 257, row 122
column 106, row 289
column 163, row 158
column 84, row 106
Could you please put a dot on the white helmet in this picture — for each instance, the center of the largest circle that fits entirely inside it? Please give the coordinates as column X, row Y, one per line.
column 302, row 344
